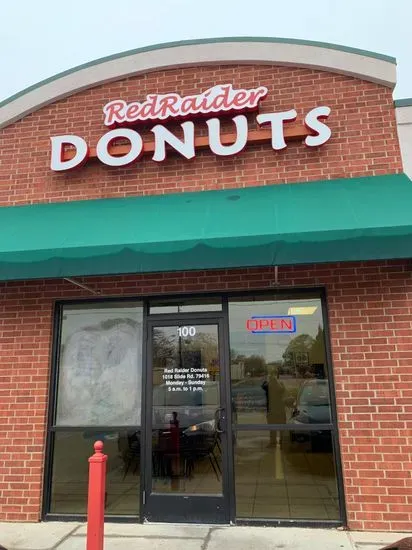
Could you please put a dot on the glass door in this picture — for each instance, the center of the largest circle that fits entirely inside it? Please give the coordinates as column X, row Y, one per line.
column 186, row 477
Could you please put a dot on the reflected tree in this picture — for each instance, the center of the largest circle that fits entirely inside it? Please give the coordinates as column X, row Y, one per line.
column 201, row 350
column 317, row 351
column 164, row 349
column 255, row 365
column 307, row 354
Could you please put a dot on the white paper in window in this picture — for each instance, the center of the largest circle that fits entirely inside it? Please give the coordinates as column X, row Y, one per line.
column 100, row 371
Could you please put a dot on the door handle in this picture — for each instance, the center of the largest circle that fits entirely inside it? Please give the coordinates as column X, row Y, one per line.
column 219, row 420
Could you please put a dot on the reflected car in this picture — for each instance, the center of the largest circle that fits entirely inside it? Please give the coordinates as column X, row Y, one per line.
column 312, row 407
column 198, row 413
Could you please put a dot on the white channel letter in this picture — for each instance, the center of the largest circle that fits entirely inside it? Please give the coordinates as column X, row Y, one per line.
column 185, row 146
column 81, row 152
column 313, row 122
column 276, row 121
column 215, row 143
column 136, row 147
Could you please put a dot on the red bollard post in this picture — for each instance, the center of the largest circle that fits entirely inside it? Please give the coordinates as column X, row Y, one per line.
column 96, row 498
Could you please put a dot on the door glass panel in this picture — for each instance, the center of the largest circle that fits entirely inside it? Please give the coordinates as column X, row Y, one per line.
column 285, row 475
column 278, row 361
column 186, row 447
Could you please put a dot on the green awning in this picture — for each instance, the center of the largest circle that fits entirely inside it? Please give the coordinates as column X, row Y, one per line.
column 366, row 218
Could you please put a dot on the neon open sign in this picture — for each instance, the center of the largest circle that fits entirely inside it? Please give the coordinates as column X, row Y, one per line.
column 266, row 324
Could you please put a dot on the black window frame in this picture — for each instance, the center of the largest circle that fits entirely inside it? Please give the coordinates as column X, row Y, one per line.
column 274, row 292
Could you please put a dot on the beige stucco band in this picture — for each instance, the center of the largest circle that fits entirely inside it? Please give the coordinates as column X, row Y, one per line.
column 373, row 69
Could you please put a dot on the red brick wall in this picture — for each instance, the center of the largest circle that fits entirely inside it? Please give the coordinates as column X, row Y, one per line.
column 370, row 304
column 364, row 140
column 370, row 310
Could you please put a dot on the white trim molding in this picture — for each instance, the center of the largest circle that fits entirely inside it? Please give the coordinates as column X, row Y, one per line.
column 403, row 109
column 326, row 57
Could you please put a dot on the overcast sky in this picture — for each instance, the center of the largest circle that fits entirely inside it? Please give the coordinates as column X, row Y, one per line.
column 41, row 38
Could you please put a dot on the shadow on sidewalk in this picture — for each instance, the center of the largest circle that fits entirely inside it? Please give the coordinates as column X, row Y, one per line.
column 402, row 544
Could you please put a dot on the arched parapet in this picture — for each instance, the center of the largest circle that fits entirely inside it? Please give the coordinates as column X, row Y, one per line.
column 360, row 64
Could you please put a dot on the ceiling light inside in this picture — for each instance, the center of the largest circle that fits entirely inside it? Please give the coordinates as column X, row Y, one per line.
column 303, row 310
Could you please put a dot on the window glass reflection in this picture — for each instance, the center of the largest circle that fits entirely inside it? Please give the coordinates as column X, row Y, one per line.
column 277, row 352
column 186, row 446
column 295, row 479
column 70, row 471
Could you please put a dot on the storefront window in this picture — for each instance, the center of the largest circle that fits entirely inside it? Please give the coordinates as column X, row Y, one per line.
column 279, row 378
column 100, row 367
column 99, row 387
column 277, row 358
column 71, row 471
column 282, row 430
column 295, row 479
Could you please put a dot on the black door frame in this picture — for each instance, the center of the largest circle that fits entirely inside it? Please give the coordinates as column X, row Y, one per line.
column 170, row 507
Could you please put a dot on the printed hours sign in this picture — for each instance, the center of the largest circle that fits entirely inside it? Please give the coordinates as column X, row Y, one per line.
column 187, row 378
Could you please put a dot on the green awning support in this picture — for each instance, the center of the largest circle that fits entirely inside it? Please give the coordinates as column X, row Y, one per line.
column 367, row 218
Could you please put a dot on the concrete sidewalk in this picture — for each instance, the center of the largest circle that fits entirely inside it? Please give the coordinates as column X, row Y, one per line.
column 71, row 536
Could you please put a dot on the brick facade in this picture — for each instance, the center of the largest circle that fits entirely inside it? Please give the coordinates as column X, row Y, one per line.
column 363, row 123
column 370, row 316
column 369, row 304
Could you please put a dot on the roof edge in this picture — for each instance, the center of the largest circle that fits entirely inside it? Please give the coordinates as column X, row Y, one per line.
column 164, row 45
column 375, row 66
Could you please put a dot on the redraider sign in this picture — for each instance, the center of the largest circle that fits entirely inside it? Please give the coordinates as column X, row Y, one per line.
column 71, row 151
